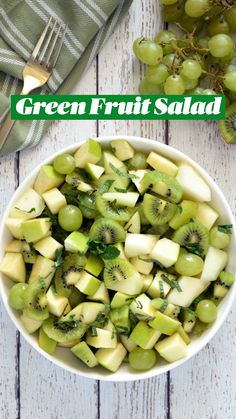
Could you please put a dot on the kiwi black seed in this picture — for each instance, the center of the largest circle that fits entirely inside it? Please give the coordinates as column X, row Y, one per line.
column 107, row 231
column 192, row 234
column 117, row 270
column 164, row 185
column 72, row 263
column 63, row 332
column 157, row 211
column 228, row 125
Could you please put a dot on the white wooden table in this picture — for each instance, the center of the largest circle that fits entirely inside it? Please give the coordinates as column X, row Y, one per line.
column 33, row 388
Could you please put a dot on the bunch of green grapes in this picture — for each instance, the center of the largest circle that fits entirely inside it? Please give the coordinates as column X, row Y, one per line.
column 199, row 60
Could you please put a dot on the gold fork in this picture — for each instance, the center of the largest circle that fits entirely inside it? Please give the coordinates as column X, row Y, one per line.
column 39, row 67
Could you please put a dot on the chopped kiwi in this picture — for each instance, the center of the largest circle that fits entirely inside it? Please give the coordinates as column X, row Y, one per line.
column 120, row 275
column 112, row 210
column 35, row 300
column 28, row 253
column 193, row 236
column 157, row 211
column 228, row 125
column 115, row 182
column 107, row 231
column 163, row 184
column 69, row 273
column 63, row 332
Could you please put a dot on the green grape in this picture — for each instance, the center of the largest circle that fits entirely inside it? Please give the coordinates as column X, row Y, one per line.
column 196, row 8
column 87, row 206
column 171, row 59
column 138, row 161
column 221, row 45
column 230, row 81
column 148, row 88
column 174, row 85
column 16, row 296
column 219, row 239
column 142, row 359
column 230, row 68
column 64, row 164
column 203, row 42
column 70, row 218
column 147, row 51
column 217, row 25
column 191, row 24
column 191, row 69
column 168, row 2
column 167, row 39
column 197, row 91
column 188, row 83
column 157, row 74
column 172, row 13
column 222, row 62
column 206, row 311
column 189, row 264
column 230, row 17
column 208, row 92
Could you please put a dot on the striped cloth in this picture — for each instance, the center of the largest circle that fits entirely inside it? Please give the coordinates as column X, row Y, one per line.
column 90, row 23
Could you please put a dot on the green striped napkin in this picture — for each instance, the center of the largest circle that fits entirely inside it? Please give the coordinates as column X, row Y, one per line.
column 90, row 23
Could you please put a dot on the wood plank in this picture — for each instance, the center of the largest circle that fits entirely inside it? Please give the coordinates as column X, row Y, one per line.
column 205, row 386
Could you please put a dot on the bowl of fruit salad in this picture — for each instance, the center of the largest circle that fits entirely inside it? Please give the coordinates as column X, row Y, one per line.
column 117, row 258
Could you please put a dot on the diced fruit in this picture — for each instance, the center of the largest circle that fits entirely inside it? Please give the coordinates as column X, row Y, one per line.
column 110, row 160
column 188, row 319
column 137, row 176
column 139, row 244
column 89, row 152
column 120, row 247
column 13, row 266
column 144, row 336
column 164, row 185
column 127, row 199
column 94, row 171
column 162, row 164
column 186, row 210
column 15, row 246
column 90, row 311
column 134, row 224
column 76, row 242
column 141, row 306
column 142, row 359
column 219, row 239
column 143, row 266
column 84, row 353
column 94, row 265
column 190, row 287
column 158, row 287
column 120, row 299
column 147, row 280
column 75, row 314
column 120, row 319
column 206, row 215
column 110, row 358
column 47, row 247
column 61, row 332
column 194, row 187
column 55, row 200
column 101, row 294
column 215, row 262
column 166, row 252
column 47, row 179
column 45, row 343
column 157, row 211
column 120, row 275
column 88, row 284
column 172, row 348
column 43, row 268
column 56, row 303
column 227, row 278
column 30, row 325
column 103, row 339
column 36, row 229
column 30, row 205
column 122, row 149
column 128, row 343
column 164, row 324
column 14, row 225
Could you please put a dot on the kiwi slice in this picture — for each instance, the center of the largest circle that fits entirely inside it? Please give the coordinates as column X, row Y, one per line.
column 72, row 264
column 120, row 275
column 156, row 210
column 163, row 184
column 107, row 231
column 228, row 125
column 35, row 301
column 118, row 182
column 63, row 332
column 193, row 236
column 111, row 210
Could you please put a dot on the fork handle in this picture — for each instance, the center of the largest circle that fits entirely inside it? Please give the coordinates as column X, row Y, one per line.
column 6, row 129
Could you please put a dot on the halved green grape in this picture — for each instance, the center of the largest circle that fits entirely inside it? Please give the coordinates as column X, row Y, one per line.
column 70, row 218
column 167, row 40
column 157, row 74
column 148, row 88
column 196, row 8
column 147, row 51
column 230, row 81
column 16, row 296
column 64, row 164
column 174, row 85
column 206, row 311
column 189, row 264
column 142, row 359
column 219, row 239
column 217, row 25
column 221, row 45
column 172, row 13
column 191, row 69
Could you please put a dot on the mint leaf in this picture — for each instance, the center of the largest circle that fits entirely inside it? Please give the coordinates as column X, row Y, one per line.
column 171, row 282
column 225, row 228
column 27, row 212
column 120, row 190
column 59, row 260
column 105, row 187
column 104, row 251
column 195, row 248
column 122, row 174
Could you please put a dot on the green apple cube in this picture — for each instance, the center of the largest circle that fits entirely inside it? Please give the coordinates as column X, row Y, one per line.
column 84, row 353
column 90, row 311
column 142, row 266
column 104, row 339
column 94, row 265
column 144, row 336
column 42, row 268
column 164, row 324
column 29, row 205
column 215, row 262
column 101, row 294
column 36, row 229
column 111, row 358
column 147, row 281
column 94, row 170
column 120, row 299
column 128, row 199
column 190, row 287
column 184, row 335
column 162, row 164
column 30, row 325
column 56, row 303
column 110, row 160
column 15, row 246
column 48, row 247
column 122, row 149
column 166, row 252
column 47, row 344
column 47, row 179
column 76, row 242
column 89, row 152
column 141, row 306
column 134, row 224
column 14, row 225
column 186, row 211
column 55, row 200
column 139, row 244
column 13, row 266
column 172, row 348
column 137, row 176
column 158, row 287
column 206, row 215
column 88, row 284
column 128, row 343
column 75, row 314
column 194, row 187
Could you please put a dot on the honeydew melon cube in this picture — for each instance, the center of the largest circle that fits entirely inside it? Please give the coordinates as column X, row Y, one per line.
column 147, row 280
column 101, row 294
column 29, row 205
column 138, row 176
column 166, row 252
column 15, row 246
column 84, row 353
column 122, row 149
column 142, row 266
column 144, row 336
column 88, row 284
column 55, row 200
column 47, row 179
column 56, row 303
column 194, row 187
column 141, row 306
column 134, row 224
column 111, row 358
column 13, row 266
column 158, row 287
column 215, row 262
column 128, row 199
column 162, row 164
column 76, row 242
column 14, row 225
column 46, row 343
column 128, row 343
column 104, row 339
column 94, row 170
column 36, row 229
column 164, row 324
column 206, row 215
column 44, row 268
column 30, row 325
column 191, row 288
column 47, row 247
column 172, row 348
column 139, row 244
column 94, row 265
column 89, row 152
column 120, row 299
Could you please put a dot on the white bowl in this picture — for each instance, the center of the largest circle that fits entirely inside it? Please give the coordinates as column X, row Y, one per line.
column 63, row 356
